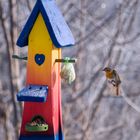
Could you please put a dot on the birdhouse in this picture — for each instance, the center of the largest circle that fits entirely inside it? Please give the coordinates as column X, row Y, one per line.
column 45, row 33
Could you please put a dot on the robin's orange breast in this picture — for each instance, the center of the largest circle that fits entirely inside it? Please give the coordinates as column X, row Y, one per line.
column 109, row 75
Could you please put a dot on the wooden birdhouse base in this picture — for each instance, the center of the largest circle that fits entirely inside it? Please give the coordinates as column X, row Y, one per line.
column 43, row 137
column 33, row 93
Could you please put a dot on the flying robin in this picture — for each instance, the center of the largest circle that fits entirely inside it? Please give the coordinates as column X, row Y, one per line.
column 113, row 78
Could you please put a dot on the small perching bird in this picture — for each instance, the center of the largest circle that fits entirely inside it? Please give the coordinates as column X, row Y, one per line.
column 113, row 78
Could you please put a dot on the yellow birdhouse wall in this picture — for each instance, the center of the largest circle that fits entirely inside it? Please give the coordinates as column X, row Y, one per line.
column 41, row 43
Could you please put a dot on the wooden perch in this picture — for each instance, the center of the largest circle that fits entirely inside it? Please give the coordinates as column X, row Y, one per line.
column 19, row 57
column 64, row 60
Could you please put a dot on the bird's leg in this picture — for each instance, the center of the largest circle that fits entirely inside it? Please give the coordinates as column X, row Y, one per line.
column 113, row 82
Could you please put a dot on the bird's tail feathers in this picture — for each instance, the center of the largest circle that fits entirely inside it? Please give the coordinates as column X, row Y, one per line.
column 117, row 90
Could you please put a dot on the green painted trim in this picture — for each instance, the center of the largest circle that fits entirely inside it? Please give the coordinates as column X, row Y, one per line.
column 37, row 128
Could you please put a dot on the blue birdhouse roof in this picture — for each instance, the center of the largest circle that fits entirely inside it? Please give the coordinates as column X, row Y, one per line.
column 54, row 21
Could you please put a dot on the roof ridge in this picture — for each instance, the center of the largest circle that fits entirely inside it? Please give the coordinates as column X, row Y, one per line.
column 54, row 21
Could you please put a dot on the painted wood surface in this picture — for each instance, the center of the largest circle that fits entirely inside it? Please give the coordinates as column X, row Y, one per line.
column 57, row 27
column 44, row 74
column 33, row 93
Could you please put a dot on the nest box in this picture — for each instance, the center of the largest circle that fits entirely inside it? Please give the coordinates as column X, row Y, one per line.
column 45, row 33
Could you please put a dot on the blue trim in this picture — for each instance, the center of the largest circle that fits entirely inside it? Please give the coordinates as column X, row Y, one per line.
column 33, row 93
column 39, row 59
column 59, row 136
column 49, row 27
column 55, row 23
column 23, row 38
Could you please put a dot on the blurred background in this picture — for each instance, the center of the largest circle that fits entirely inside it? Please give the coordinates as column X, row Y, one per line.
column 107, row 32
